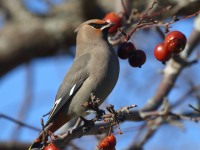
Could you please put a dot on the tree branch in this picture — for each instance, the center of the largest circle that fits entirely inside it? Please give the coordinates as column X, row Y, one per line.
column 14, row 146
column 16, row 10
column 19, row 122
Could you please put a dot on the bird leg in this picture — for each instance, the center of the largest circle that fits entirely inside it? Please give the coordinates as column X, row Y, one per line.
column 77, row 124
column 52, row 135
column 94, row 105
column 87, row 124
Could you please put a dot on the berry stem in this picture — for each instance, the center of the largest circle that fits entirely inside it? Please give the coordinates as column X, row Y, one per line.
column 125, row 10
column 146, row 12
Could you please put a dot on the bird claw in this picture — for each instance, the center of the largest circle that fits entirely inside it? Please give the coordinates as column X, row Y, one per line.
column 93, row 106
column 87, row 124
column 99, row 114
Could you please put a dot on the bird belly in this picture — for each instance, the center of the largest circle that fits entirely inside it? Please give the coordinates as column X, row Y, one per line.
column 103, row 86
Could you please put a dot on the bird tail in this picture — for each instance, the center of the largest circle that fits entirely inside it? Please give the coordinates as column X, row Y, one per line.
column 36, row 146
column 38, row 143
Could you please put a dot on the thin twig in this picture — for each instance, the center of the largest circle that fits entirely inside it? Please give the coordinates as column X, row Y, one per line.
column 27, row 100
column 185, row 95
column 19, row 122
column 125, row 10
column 146, row 12
column 197, row 110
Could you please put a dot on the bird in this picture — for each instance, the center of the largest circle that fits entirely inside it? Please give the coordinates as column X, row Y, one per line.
column 95, row 69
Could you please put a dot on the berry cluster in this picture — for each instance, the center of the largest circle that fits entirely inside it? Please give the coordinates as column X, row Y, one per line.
column 108, row 143
column 136, row 58
column 174, row 43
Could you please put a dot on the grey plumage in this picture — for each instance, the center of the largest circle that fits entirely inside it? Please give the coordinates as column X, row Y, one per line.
column 95, row 70
column 96, row 65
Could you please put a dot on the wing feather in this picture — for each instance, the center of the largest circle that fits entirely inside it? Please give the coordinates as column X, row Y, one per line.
column 72, row 82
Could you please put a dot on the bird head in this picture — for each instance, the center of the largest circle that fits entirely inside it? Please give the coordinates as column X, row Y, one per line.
column 93, row 29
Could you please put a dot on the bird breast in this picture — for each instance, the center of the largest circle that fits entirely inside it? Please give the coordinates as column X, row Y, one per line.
column 105, row 70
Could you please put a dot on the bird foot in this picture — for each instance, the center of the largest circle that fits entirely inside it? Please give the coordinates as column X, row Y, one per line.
column 52, row 135
column 94, row 105
column 87, row 124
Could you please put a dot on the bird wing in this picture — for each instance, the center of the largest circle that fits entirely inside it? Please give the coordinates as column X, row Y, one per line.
column 73, row 80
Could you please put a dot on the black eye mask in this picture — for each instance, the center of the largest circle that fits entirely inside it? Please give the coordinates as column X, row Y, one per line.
column 97, row 26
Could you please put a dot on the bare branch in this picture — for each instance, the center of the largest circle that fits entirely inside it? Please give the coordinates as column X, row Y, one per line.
column 14, row 146
column 27, row 101
column 171, row 73
column 19, row 122
column 16, row 10
column 197, row 110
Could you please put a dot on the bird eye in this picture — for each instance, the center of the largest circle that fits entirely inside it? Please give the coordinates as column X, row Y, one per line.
column 96, row 26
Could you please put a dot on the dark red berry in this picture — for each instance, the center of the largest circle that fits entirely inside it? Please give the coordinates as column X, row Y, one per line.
column 175, row 42
column 161, row 53
column 137, row 59
column 125, row 50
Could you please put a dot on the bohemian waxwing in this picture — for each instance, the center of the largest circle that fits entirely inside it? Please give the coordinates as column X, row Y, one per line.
column 95, row 70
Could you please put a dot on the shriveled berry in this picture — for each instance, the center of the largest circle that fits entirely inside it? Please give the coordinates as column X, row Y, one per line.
column 137, row 59
column 125, row 50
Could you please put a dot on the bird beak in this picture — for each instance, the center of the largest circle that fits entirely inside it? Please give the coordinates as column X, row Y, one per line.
column 109, row 25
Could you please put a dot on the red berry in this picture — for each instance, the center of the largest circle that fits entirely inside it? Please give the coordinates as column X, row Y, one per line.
column 108, row 143
column 114, row 18
column 137, row 59
column 112, row 140
column 103, row 145
column 51, row 146
column 175, row 42
column 161, row 53
column 125, row 50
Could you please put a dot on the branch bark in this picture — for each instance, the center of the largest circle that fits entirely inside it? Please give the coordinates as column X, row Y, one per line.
column 14, row 146
column 26, row 38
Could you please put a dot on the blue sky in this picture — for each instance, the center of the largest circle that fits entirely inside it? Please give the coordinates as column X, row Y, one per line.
column 135, row 86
